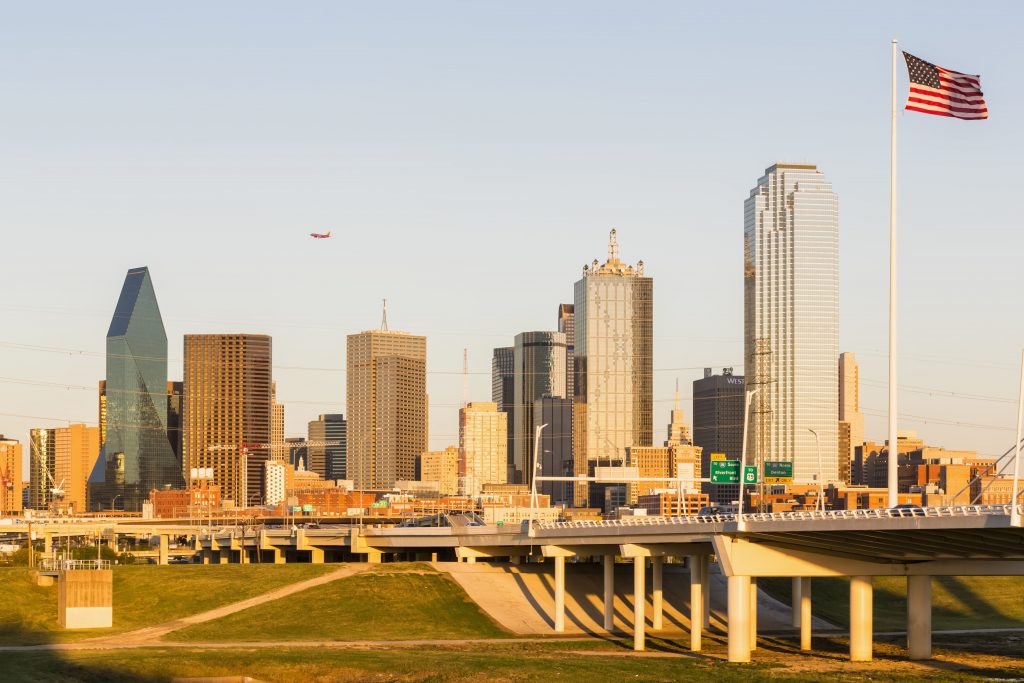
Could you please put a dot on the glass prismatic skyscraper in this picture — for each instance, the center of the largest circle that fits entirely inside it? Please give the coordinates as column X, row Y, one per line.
column 612, row 388
column 136, row 455
column 791, row 318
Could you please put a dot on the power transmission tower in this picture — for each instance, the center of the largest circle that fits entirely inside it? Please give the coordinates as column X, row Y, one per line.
column 762, row 413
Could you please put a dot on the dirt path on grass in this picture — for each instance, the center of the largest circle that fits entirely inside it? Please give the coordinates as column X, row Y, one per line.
column 151, row 635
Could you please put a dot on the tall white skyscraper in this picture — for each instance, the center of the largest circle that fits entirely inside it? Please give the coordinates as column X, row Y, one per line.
column 791, row 317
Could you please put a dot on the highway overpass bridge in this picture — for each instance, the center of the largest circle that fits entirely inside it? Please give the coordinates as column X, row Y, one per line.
column 916, row 543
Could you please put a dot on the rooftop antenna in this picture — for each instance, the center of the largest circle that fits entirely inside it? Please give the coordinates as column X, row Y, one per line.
column 613, row 246
column 384, row 318
column 677, row 394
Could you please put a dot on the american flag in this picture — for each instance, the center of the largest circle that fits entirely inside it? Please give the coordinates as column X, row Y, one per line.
column 934, row 90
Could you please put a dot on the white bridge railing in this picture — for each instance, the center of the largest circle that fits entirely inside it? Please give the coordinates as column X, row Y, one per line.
column 57, row 564
column 873, row 513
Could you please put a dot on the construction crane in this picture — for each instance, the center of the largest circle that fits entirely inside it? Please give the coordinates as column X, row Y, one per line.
column 56, row 490
column 247, row 446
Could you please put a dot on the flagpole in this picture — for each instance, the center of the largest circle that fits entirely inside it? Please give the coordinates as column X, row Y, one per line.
column 893, row 459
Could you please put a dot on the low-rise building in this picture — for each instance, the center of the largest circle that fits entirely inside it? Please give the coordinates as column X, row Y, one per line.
column 671, row 504
column 179, row 503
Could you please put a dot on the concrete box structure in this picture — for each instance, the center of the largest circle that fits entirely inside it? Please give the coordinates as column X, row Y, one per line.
column 85, row 598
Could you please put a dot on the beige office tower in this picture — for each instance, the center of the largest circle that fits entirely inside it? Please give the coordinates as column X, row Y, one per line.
column 613, row 396
column 538, row 371
column 76, row 449
column 278, row 451
column 851, row 420
column 442, row 467
column 386, row 397
column 678, row 464
column 228, row 403
column 10, row 476
column 483, row 445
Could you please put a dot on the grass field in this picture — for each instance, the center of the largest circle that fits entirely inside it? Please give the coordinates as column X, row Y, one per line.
column 594, row 661
column 957, row 602
column 388, row 602
column 143, row 595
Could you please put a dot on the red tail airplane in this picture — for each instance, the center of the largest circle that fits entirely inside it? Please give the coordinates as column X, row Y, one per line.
column 320, row 236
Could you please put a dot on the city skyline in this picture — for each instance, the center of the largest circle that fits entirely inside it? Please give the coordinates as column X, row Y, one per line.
column 670, row 190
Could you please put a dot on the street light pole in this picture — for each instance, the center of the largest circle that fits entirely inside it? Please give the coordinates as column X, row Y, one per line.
column 536, row 473
column 821, row 479
column 740, row 524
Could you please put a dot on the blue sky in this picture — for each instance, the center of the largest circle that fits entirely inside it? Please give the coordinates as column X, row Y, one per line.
column 469, row 159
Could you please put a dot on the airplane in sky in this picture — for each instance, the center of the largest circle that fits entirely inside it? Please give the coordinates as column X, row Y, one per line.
column 320, row 235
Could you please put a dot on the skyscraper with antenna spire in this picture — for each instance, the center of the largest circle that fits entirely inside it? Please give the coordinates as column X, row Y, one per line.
column 678, row 432
column 612, row 392
column 386, row 399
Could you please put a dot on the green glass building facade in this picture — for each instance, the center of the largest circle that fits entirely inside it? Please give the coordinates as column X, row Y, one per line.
column 136, row 456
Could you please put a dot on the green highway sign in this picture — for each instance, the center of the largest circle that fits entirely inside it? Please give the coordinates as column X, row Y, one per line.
column 778, row 472
column 725, row 471
column 750, row 474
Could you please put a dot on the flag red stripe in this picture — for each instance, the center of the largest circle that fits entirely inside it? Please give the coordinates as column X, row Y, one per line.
column 956, row 75
column 966, row 117
column 942, row 95
column 946, row 85
column 946, row 106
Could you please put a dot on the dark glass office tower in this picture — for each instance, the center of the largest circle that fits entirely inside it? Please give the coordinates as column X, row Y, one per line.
column 718, row 425
column 136, row 455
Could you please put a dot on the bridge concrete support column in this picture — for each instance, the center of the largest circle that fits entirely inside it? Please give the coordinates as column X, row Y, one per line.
column 705, row 580
column 639, row 602
column 279, row 557
column 919, row 617
column 47, row 544
column 243, row 555
column 609, row 592
column 223, row 556
column 163, row 550
column 559, row 594
column 753, row 613
column 657, row 593
column 739, row 619
column 316, row 555
column 805, row 612
column 471, row 559
column 697, row 598
column 795, row 600
column 860, row 619
column 374, row 556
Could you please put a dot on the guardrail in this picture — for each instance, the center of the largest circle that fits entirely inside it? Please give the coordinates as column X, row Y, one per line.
column 872, row 513
column 51, row 564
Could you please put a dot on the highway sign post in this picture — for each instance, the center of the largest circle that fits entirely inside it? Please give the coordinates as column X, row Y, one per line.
column 778, row 472
column 725, row 471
